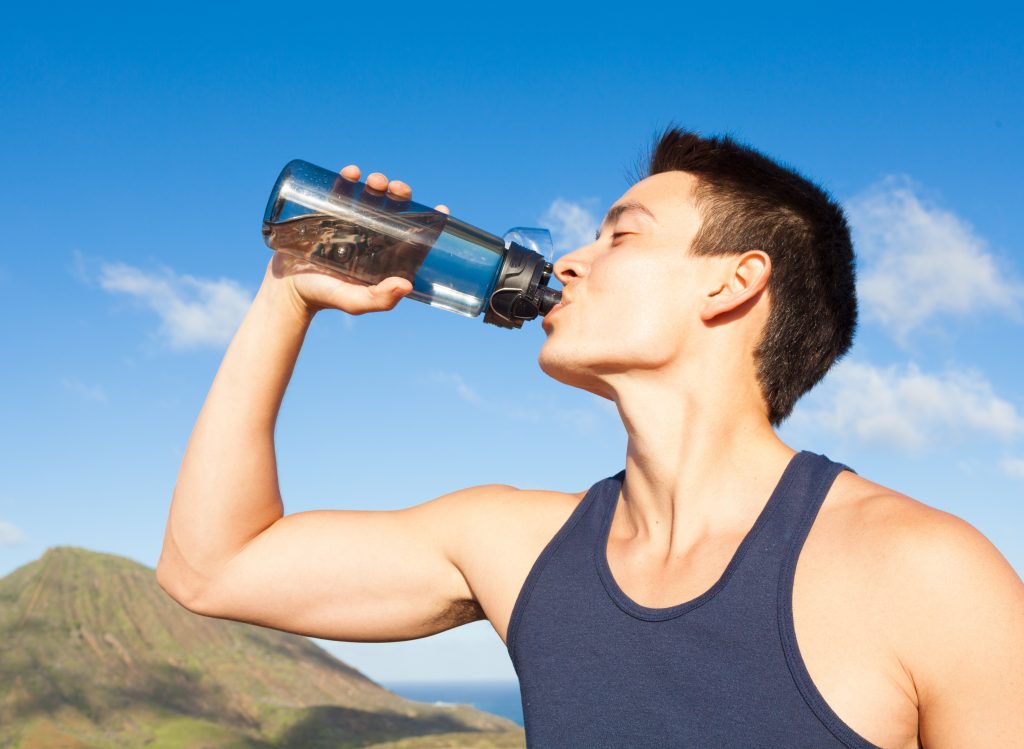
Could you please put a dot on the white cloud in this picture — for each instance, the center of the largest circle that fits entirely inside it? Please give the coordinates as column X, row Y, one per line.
column 907, row 408
column 1013, row 467
column 88, row 392
column 922, row 261
column 10, row 534
column 572, row 224
column 193, row 311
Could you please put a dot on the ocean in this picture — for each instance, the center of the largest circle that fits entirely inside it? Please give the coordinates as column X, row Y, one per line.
column 498, row 697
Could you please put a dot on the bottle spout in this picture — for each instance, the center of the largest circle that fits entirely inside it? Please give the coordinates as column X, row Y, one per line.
column 547, row 299
column 521, row 292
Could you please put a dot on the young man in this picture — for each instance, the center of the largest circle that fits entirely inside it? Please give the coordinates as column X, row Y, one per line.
column 723, row 590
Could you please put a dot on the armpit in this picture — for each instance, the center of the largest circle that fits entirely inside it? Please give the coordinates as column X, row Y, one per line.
column 459, row 613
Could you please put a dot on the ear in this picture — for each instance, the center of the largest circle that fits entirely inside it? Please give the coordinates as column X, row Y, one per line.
column 745, row 277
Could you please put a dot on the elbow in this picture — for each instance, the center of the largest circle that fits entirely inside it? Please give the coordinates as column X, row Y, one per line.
column 173, row 584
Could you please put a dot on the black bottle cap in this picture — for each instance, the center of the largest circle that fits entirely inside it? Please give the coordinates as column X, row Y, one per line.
column 521, row 292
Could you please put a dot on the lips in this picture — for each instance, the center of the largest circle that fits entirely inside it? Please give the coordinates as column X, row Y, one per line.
column 544, row 320
column 565, row 300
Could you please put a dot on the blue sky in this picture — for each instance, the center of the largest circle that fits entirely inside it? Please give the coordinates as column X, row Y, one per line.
column 139, row 147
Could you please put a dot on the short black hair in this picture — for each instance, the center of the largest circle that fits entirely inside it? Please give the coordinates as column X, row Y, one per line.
column 748, row 201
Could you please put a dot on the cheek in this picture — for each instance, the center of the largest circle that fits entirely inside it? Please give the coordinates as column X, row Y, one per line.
column 645, row 333
column 644, row 326
column 651, row 306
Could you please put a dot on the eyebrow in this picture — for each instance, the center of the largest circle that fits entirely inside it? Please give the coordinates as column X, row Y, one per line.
column 617, row 210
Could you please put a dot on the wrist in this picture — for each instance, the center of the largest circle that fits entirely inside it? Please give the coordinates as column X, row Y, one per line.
column 280, row 293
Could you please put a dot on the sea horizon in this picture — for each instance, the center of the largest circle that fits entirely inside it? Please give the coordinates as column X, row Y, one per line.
column 500, row 697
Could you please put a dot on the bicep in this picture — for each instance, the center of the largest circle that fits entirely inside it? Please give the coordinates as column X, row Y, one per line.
column 362, row 576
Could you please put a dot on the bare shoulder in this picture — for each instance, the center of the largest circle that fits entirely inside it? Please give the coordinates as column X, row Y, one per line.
column 474, row 512
column 913, row 540
column 494, row 533
column 484, row 520
column 952, row 604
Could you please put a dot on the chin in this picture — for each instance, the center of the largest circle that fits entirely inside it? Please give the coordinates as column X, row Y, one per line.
column 588, row 367
column 572, row 368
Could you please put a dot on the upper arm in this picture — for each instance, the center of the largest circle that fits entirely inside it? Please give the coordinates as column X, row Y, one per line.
column 358, row 575
column 964, row 645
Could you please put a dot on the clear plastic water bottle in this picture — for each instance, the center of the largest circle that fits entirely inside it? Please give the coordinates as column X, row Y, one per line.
column 366, row 236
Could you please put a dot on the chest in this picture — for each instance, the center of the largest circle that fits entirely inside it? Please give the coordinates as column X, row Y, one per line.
column 839, row 618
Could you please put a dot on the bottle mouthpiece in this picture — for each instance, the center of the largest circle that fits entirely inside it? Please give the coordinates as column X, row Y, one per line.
column 521, row 292
column 547, row 299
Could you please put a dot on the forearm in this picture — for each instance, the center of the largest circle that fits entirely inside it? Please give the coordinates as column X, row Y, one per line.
column 227, row 490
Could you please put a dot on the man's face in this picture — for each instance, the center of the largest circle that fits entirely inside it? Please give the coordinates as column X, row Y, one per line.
column 631, row 298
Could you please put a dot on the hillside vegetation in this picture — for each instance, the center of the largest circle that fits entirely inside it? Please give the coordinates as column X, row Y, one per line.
column 96, row 655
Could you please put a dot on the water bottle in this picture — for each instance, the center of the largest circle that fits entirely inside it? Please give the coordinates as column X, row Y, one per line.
column 366, row 235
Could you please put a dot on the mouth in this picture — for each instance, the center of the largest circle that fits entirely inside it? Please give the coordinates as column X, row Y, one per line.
column 544, row 320
column 563, row 300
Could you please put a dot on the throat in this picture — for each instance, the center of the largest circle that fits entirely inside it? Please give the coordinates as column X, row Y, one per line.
column 647, row 578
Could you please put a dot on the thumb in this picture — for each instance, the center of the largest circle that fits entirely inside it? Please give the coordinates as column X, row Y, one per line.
column 390, row 291
column 396, row 285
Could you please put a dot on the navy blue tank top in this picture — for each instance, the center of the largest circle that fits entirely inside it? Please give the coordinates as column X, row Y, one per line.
column 597, row 670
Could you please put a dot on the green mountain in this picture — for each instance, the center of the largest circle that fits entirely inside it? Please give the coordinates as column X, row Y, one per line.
column 93, row 653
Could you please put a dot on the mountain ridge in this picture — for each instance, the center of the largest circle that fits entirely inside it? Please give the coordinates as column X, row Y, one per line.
column 96, row 654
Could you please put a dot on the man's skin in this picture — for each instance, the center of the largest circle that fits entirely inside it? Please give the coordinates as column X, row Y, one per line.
column 909, row 621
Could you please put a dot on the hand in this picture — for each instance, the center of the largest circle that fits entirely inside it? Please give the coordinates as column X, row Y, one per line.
column 313, row 288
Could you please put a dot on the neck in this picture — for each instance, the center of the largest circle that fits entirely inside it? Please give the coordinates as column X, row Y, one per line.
column 698, row 465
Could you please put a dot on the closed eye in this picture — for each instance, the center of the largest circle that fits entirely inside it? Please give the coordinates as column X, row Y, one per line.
column 597, row 236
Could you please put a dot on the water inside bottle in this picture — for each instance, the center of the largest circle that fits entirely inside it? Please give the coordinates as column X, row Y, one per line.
column 451, row 264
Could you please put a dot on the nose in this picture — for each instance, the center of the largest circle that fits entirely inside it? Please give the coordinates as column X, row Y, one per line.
column 571, row 265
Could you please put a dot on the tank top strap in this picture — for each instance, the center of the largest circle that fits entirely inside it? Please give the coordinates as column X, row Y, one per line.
column 800, row 494
column 778, row 535
column 760, row 575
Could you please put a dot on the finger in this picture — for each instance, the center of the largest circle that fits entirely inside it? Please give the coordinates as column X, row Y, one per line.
column 442, row 208
column 399, row 190
column 377, row 181
column 351, row 172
